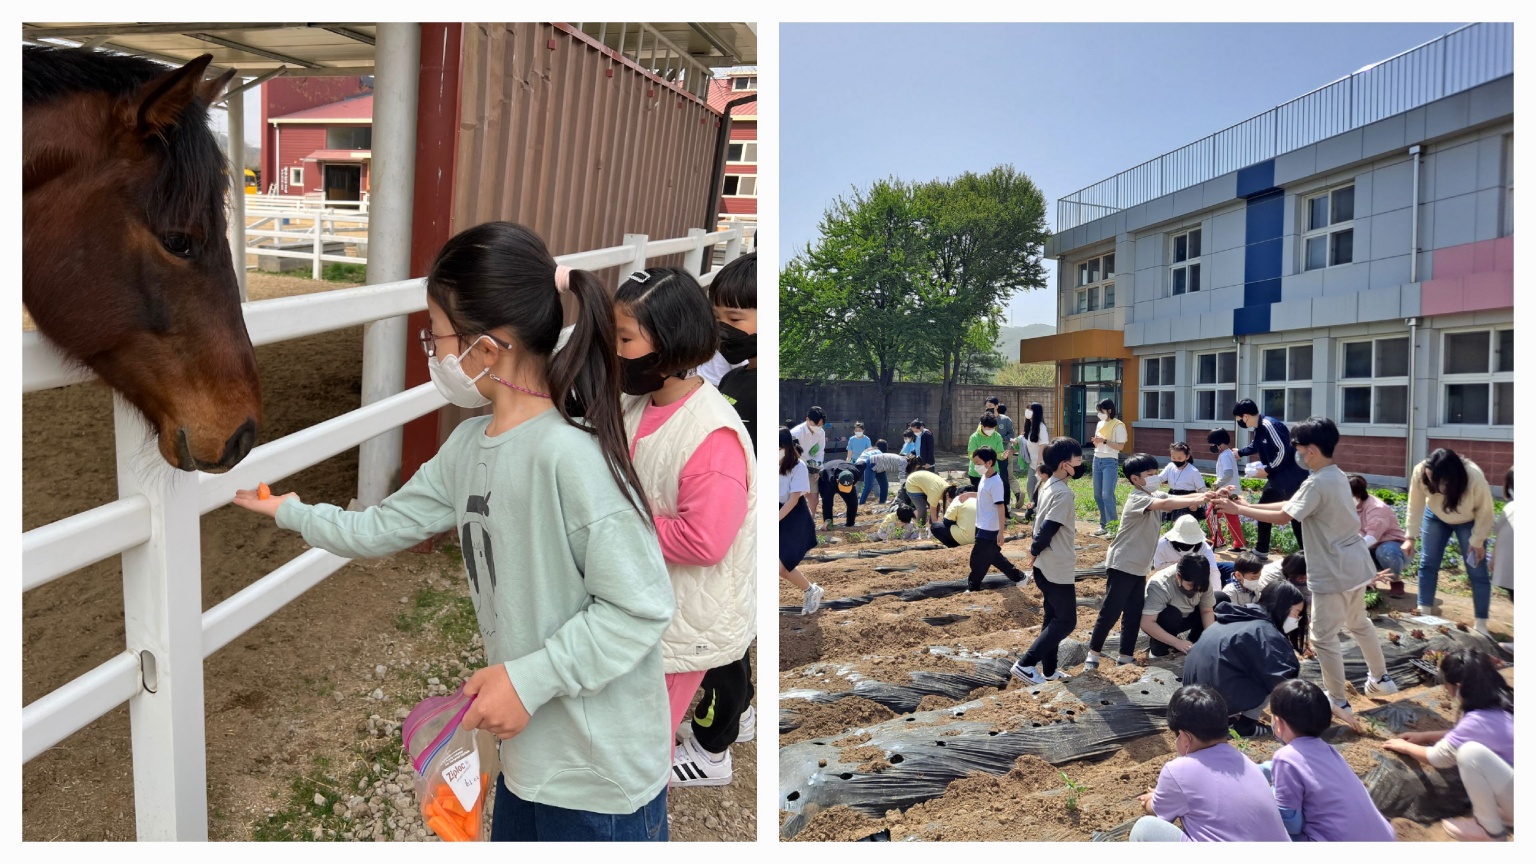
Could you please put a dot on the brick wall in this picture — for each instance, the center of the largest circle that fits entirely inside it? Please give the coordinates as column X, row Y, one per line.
column 1155, row 442
column 1368, row 455
column 1494, row 457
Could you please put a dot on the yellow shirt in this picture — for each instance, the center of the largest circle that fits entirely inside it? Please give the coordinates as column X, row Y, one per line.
column 963, row 514
column 926, row 483
column 1476, row 505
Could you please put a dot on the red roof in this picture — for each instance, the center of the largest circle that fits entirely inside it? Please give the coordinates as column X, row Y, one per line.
column 720, row 92
column 356, row 109
column 340, row 156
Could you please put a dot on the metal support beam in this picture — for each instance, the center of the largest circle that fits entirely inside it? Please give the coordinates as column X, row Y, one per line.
column 251, row 49
column 350, row 34
column 236, row 146
column 254, row 82
column 83, row 31
column 392, row 195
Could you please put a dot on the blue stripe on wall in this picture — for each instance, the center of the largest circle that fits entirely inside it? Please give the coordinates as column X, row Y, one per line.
column 1261, row 259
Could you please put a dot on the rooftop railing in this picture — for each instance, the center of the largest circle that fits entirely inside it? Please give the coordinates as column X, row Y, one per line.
column 1459, row 60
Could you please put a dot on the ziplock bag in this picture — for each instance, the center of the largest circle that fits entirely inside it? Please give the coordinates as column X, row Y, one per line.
column 453, row 767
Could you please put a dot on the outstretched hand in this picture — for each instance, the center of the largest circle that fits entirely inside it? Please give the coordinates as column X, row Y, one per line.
column 250, row 500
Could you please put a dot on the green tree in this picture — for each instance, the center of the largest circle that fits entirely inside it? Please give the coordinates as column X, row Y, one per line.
column 1026, row 375
column 982, row 237
column 846, row 302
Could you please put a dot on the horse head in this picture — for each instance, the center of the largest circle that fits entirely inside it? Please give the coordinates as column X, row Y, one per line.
column 125, row 262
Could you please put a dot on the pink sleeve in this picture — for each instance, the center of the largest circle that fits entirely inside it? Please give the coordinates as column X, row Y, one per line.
column 1380, row 522
column 711, row 503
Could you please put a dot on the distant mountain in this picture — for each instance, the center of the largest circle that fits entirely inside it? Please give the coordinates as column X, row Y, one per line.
column 1008, row 338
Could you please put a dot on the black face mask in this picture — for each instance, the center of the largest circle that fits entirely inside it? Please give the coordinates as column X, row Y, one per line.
column 641, row 375
column 736, row 346
column 1215, row 449
column 1241, row 423
column 1189, row 592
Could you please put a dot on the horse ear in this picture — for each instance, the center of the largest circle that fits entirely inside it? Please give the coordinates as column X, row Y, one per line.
column 159, row 102
column 210, row 91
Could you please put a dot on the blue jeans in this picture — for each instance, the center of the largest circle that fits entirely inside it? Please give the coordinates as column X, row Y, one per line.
column 520, row 821
column 1436, row 534
column 1105, row 473
column 871, row 477
column 1389, row 556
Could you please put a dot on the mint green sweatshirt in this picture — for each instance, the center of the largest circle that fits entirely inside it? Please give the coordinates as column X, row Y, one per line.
column 571, row 593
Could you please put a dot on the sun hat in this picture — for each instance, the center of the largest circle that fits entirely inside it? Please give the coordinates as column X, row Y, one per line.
column 1186, row 530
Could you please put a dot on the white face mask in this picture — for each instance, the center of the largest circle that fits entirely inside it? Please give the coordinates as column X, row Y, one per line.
column 1301, row 459
column 1251, row 584
column 1029, row 414
column 1103, row 415
column 454, row 383
column 1291, row 624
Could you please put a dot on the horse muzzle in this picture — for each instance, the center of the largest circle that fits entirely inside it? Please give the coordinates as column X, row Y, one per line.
column 235, row 449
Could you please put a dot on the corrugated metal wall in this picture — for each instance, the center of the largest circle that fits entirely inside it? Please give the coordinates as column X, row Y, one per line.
column 548, row 139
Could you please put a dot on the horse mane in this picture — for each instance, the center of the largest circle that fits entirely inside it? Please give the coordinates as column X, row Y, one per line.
column 187, row 195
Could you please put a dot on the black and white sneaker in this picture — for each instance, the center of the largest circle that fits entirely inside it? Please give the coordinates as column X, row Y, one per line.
column 692, row 765
column 1027, row 674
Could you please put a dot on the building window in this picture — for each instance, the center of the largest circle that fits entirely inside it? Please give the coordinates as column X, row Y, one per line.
column 1509, row 185
column 1186, row 261
column 744, row 82
column 1478, row 377
column 741, row 185
column 1329, row 239
column 1287, row 383
column 1215, row 385
column 349, row 138
column 1157, row 388
column 295, row 176
column 1095, row 283
column 742, row 152
column 1374, row 381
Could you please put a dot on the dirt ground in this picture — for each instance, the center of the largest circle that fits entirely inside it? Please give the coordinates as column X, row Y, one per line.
column 889, row 638
column 299, row 705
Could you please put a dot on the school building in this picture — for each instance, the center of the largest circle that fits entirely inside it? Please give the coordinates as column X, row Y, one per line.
column 733, row 95
column 1347, row 254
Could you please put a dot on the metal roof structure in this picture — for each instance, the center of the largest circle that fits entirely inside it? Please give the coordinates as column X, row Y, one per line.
column 268, row 49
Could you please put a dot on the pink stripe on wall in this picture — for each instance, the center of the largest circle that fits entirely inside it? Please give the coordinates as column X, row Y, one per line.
column 1471, row 277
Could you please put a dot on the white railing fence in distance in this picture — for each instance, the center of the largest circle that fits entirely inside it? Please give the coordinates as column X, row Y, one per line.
column 1460, row 60
column 271, row 225
column 155, row 527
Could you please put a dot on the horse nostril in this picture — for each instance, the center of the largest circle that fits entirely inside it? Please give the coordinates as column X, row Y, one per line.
column 184, row 452
column 239, row 444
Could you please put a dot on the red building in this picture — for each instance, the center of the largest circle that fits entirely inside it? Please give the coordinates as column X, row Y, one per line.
column 317, row 136
column 738, row 202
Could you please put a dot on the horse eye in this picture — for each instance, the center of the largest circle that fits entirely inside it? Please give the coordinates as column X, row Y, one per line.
column 179, row 245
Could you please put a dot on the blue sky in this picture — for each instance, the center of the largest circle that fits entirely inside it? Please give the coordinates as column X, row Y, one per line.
column 1068, row 104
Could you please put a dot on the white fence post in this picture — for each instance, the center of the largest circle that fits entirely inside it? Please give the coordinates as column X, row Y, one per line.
column 637, row 242
column 319, row 245
column 163, row 616
column 237, row 244
column 693, row 262
column 733, row 245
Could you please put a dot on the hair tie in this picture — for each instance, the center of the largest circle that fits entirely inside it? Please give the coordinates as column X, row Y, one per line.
column 562, row 278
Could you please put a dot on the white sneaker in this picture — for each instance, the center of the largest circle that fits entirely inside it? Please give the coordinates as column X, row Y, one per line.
column 1029, row 674
column 1480, row 626
column 813, row 596
column 746, row 731
column 1058, row 675
column 692, row 765
column 1102, row 532
column 1385, row 686
column 1430, row 610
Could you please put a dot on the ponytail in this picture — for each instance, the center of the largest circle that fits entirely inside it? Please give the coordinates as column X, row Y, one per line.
column 586, row 370
column 501, row 275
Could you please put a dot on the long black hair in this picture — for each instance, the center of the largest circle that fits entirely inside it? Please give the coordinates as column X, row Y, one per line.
column 1478, row 684
column 791, row 456
column 1445, row 474
column 1036, row 420
column 1278, row 599
column 500, row 274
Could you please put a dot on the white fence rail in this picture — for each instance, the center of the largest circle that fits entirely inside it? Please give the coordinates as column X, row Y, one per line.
column 267, row 229
column 155, row 528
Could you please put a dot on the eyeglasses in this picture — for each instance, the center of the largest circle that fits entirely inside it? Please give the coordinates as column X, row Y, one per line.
column 429, row 340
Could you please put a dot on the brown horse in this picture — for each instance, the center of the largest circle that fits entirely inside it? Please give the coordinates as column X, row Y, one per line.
column 125, row 265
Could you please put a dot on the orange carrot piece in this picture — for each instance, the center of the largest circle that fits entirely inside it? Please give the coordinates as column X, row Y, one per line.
column 446, row 829
column 263, row 492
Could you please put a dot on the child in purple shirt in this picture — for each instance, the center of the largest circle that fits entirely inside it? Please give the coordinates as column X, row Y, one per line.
column 1216, row 791
column 1319, row 797
column 1481, row 746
